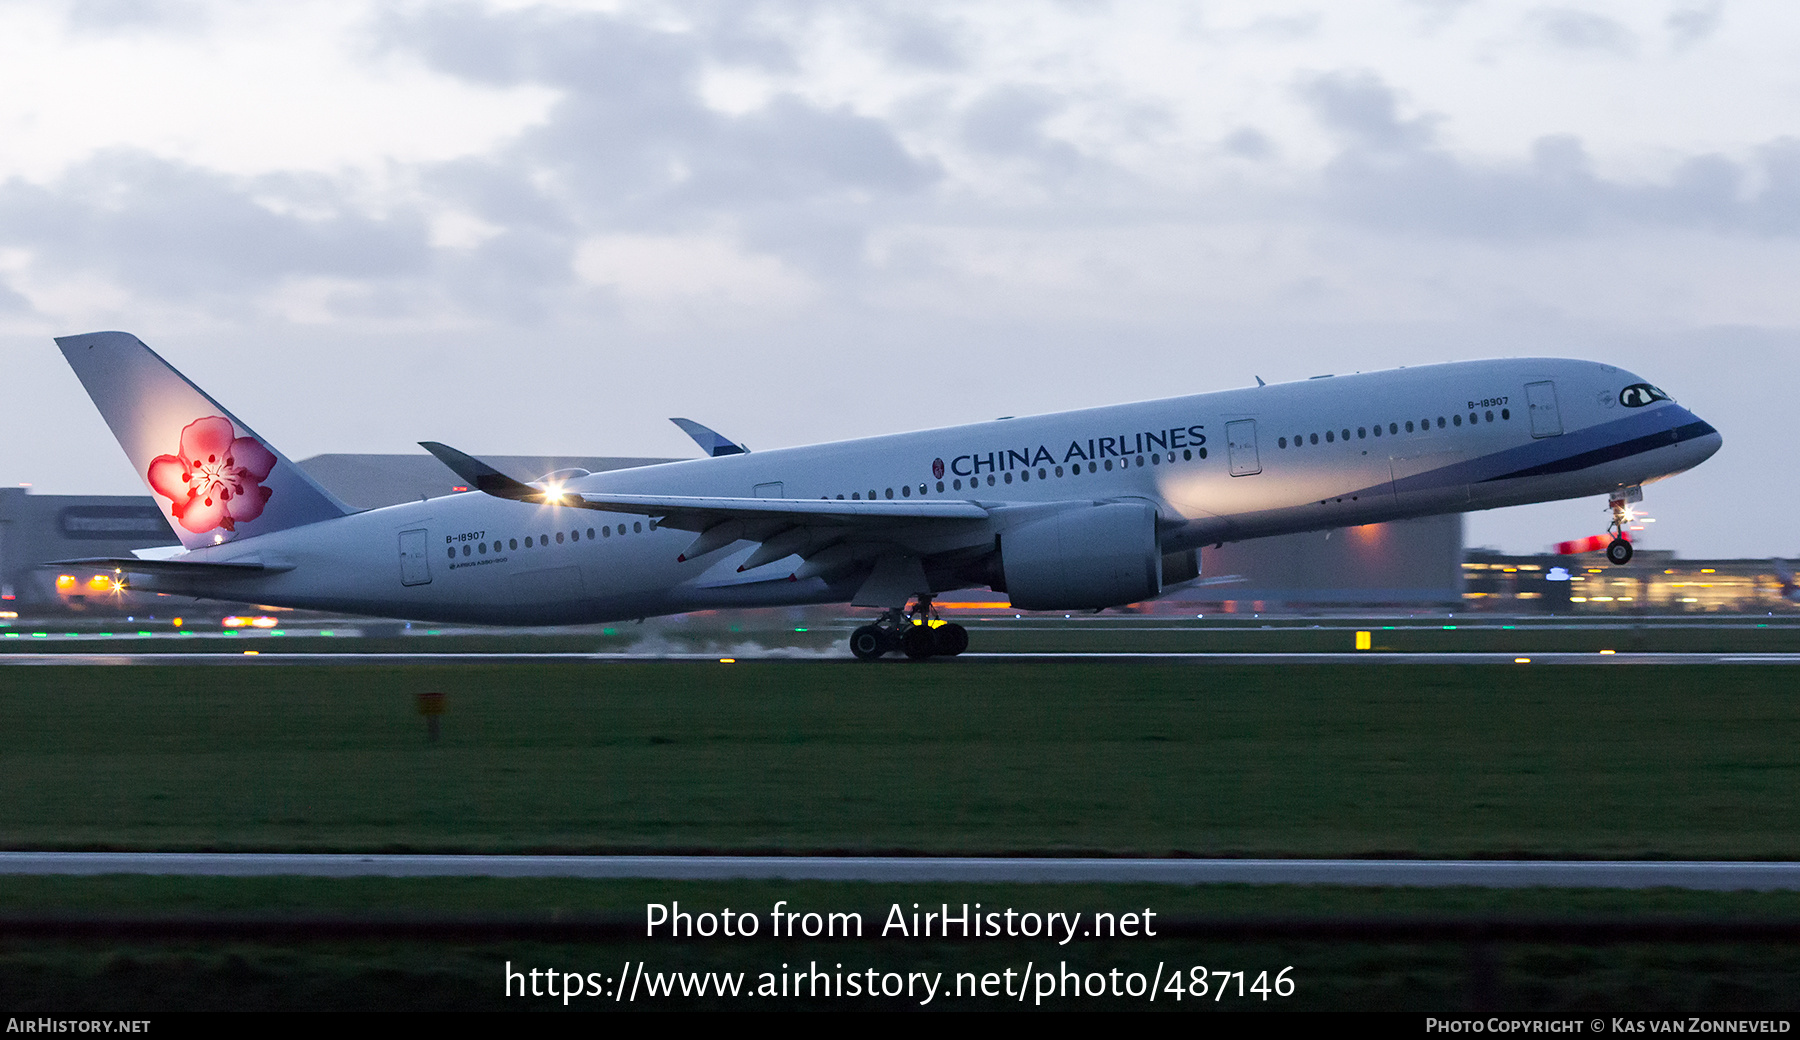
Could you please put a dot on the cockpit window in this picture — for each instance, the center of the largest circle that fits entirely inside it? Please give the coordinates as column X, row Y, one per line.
column 1637, row 395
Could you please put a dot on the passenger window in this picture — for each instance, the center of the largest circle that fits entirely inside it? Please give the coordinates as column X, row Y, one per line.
column 483, row 547
column 543, row 539
column 1041, row 474
column 1025, row 475
column 512, row 543
column 940, row 487
column 1409, row 426
column 1330, row 437
column 496, row 545
column 527, row 541
column 1377, row 429
column 1109, row 465
column 1346, row 434
column 1458, row 419
column 1009, row 478
column 1506, row 413
column 1315, row 438
column 575, row 536
column 1140, row 462
column 871, row 494
column 559, row 538
column 605, row 532
column 453, row 552
column 1203, row 453
column 857, row 495
column 1490, row 416
column 1362, row 433
column 638, row 527
column 1472, row 419
column 1440, row 422
column 1393, row 428
column 1092, row 468
column 890, row 492
column 590, row 534
column 465, row 549
column 1187, row 455
column 990, row 480
column 956, row 485
column 1059, row 471
column 906, row 491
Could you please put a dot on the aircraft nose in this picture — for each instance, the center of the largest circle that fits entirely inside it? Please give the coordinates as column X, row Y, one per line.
column 1697, row 437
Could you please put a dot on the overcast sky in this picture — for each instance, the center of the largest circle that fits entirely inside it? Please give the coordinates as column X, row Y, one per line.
column 530, row 228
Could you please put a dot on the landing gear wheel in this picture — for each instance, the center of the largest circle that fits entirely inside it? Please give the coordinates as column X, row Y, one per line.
column 918, row 642
column 1619, row 552
column 949, row 640
column 868, row 643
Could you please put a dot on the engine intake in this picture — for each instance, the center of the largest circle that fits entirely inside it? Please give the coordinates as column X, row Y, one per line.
column 1084, row 558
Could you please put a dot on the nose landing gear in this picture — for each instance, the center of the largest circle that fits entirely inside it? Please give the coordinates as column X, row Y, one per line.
column 1618, row 551
column 917, row 632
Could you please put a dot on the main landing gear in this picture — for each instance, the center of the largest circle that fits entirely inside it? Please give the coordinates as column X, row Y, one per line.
column 917, row 632
column 1618, row 551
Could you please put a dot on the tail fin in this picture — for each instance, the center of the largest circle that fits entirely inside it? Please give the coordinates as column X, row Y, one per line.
column 219, row 481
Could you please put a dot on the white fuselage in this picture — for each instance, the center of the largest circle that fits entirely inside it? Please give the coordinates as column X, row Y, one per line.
column 1218, row 467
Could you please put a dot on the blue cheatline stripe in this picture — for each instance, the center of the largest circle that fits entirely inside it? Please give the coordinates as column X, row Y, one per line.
column 1613, row 452
column 1575, row 450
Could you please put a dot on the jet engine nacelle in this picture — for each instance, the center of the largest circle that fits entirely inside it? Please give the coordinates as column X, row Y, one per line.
column 1084, row 558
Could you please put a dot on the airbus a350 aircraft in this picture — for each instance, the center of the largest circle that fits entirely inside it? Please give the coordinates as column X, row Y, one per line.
column 1070, row 511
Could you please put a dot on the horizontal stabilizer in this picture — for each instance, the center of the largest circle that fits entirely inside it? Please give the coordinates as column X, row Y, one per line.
column 175, row 568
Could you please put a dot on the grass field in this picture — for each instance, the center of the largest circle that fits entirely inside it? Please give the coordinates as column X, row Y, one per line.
column 978, row 757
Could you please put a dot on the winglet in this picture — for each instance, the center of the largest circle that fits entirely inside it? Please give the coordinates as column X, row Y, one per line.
column 710, row 440
column 481, row 476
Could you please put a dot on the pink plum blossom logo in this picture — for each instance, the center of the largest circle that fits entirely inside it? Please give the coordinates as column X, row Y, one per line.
column 216, row 481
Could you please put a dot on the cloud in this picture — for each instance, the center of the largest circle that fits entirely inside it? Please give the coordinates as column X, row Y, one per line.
column 1008, row 121
column 632, row 147
column 1361, row 108
column 1583, row 31
column 1690, row 23
column 167, row 229
column 1393, row 174
column 1248, row 143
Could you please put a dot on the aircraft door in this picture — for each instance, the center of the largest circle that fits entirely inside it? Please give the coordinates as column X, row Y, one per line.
column 1546, row 417
column 415, row 565
column 1240, row 443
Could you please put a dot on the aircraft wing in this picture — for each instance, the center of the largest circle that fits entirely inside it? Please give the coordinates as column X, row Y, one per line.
column 686, row 511
column 831, row 536
column 694, row 513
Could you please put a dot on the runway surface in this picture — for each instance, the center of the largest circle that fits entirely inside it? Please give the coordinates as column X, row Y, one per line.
column 270, row 658
column 1714, row 876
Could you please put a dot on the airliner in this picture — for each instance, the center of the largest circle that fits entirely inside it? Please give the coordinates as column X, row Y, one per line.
column 1077, row 510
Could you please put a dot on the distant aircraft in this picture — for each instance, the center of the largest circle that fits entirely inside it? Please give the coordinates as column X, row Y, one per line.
column 1076, row 510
